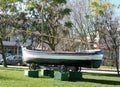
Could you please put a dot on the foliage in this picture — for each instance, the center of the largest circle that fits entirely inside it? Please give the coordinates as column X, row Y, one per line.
column 31, row 5
column 99, row 7
column 39, row 17
column 50, row 15
column 68, row 24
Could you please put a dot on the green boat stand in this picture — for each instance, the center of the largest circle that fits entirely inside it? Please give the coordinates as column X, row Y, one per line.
column 75, row 76
column 63, row 76
column 68, row 76
column 57, row 75
column 49, row 73
column 31, row 73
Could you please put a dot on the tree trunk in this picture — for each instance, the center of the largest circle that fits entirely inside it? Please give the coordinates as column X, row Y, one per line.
column 3, row 53
column 52, row 46
column 117, row 61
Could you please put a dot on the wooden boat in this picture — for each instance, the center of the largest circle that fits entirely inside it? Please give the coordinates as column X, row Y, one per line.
column 87, row 58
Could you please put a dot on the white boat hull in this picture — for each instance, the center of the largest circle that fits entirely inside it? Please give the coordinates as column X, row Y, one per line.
column 89, row 58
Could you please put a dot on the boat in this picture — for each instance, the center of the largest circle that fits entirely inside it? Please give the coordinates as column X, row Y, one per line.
column 86, row 58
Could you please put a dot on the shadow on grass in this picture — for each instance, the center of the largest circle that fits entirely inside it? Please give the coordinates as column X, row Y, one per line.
column 102, row 81
column 98, row 74
column 107, row 82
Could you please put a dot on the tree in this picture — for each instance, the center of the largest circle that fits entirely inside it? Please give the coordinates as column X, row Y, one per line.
column 83, row 24
column 50, row 15
column 7, row 22
column 107, row 26
column 4, row 30
column 41, row 20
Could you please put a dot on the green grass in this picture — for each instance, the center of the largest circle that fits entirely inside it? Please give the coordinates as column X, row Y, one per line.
column 107, row 67
column 12, row 77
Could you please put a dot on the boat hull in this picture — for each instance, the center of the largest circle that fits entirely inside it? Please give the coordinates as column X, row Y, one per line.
column 83, row 59
column 81, row 63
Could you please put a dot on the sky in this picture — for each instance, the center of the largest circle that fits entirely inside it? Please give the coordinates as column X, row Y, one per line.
column 116, row 2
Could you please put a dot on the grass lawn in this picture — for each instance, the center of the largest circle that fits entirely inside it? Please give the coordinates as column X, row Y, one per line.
column 107, row 67
column 12, row 77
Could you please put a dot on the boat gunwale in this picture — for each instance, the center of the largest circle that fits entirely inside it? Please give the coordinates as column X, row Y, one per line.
column 62, row 52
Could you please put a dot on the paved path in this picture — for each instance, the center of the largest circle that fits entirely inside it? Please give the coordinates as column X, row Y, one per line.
column 100, row 71
column 15, row 66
